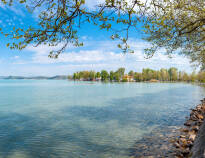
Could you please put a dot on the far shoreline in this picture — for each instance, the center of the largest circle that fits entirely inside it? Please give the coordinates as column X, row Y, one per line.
column 93, row 81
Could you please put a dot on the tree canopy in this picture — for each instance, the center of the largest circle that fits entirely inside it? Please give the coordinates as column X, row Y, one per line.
column 176, row 25
column 60, row 21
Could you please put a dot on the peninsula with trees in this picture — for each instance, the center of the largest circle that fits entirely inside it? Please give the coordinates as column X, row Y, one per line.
column 147, row 75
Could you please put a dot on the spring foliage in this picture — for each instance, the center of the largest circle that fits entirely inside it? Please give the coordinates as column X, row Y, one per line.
column 176, row 25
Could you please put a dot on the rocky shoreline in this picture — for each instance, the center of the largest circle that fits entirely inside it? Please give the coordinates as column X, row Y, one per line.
column 157, row 144
column 185, row 144
column 174, row 141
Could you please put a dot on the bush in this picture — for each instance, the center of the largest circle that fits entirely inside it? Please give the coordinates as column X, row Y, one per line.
column 124, row 80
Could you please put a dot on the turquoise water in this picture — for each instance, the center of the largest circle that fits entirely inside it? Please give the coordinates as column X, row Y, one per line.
column 64, row 119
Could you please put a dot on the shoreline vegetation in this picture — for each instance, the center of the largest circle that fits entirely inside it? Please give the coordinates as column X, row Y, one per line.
column 147, row 75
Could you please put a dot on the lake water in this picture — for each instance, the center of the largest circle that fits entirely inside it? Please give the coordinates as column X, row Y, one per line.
column 65, row 119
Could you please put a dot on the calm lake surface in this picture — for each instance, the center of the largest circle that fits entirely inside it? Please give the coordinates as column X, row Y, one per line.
column 65, row 119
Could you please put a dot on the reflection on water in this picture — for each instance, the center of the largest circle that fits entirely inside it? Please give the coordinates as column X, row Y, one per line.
column 77, row 119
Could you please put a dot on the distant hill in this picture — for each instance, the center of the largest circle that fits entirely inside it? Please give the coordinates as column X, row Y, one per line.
column 58, row 77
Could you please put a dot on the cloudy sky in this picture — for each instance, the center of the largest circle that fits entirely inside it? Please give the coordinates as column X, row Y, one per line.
column 98, row 52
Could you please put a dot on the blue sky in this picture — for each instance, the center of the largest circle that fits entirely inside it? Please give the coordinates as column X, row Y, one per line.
column 98, row 53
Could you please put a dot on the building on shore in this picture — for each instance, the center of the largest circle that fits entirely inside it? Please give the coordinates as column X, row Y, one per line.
column 128, row 78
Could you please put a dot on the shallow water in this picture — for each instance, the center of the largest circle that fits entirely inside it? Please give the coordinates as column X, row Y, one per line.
column 64, row 119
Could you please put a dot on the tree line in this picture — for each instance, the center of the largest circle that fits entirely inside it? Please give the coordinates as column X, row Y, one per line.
column 165, row 75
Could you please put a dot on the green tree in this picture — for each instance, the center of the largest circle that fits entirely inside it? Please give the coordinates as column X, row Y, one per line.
column 117, row 76
column 185, row 77
column 111, row 75
column 86, row 75
column 121, row 72
column 75, row 76
column 180, row 75
column 164, row 74
column 201, row 76
column 98, row 75
column 177, row 25
column 104, row 75
column 193, row 76
column 81, row 75
column 159, row 77
column 131, row 73
column 138, row 77
column 124, row 80
column 173, row 75
column 147, row 74
column 92, row 75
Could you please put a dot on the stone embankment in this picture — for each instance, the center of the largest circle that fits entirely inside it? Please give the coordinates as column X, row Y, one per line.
column 191, row 142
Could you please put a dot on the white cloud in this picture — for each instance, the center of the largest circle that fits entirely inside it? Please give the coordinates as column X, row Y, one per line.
column 103, row 58
column 82, row 56
column 45, row 49
column 94, row 56
column 2, row 5
column 17, row 10
column 16, row 57
column 84, row 37
column 91, row 4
